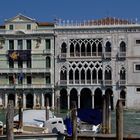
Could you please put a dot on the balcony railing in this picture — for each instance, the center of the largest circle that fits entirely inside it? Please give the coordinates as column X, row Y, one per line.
column 47, row 51
column 121, row 54
column 86, row 54
column 25, row 86
column 122, row 82
column 25, row 70
column 107, row 82
column 62, row 55
column 63, row 82
column 107, row 54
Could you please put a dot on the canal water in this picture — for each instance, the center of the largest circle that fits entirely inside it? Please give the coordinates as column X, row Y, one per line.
column 131, row 121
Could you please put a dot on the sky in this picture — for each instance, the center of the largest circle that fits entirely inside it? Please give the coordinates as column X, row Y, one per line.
column 76, row 10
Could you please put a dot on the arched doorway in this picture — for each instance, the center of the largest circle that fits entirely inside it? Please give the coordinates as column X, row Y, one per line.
column 11, row 97
column 109, row 95
column 29, row 101
column 98, row 98
column 73, row 97
column 123, row 96
column 85, row 98
column 48, row 95
column 63, row 99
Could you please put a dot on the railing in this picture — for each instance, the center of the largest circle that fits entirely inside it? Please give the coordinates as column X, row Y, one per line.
column 71, row 82
column 47, row 51
column 107, row 82
column 101, row 23
column 25, row 86
column 77, row 81
column 88, row 81
column 63, row 56
column 122, row 54
column 25, row 70
column 107, row 54
column 86, row 54
column 122, row 82
column 63, row 82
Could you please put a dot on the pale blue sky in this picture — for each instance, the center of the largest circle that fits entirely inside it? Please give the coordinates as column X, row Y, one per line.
column 47, row 10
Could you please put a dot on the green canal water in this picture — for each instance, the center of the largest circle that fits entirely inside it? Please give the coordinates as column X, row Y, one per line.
column 131, row 121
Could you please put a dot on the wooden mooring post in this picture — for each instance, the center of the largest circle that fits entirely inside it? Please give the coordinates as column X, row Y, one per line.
column 47, row 109
column 20, row 114
column 9, row 121
column 104, row 115
column 119, row 120
column 74, row 120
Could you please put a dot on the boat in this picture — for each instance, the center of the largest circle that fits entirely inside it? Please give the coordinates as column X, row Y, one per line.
column 88, row 120
column 34, row 121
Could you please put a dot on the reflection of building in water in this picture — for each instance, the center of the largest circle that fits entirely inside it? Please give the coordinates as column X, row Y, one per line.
column 69, row 61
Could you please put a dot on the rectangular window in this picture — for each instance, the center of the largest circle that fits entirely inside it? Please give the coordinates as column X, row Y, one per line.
column 48, row 44
column 20, row 81
column 11, row 27
column 28, row 42
column 48, row 79
column 29, row 80
column 29, row 64
column 137, row 67
column 138, row 89
column 11, row 44
column 20, row 45
column 138, row 41
column 11, row 80
column 28, row 26
column 20, row 64
column 11, row 64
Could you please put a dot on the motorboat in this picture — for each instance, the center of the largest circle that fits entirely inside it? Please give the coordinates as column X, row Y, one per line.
column 34, row 121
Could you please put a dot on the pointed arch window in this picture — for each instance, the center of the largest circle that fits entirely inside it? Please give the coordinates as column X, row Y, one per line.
column 94, row 76
column 88, row 76
column 63, row 75
column 122, row 74
column 88, row 49
column 99, row 49
column 83, row 76
column 108, row 49
column 94, row 49
column 77, row 76
column 83, row 49
column 122, row 50
column 64, row 48
column 71, row 49
column 100, row 76
column 108, row 76
column 77, row 50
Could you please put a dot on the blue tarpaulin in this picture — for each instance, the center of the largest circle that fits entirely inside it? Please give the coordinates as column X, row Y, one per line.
column 68, row 124
column 91, row 116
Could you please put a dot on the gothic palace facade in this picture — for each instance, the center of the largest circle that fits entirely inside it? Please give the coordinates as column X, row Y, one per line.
column 66, row 61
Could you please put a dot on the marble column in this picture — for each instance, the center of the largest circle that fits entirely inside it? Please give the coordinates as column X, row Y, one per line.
column 24, row 100
column 53, row 99
column 93, row 100
column 78, row 98
column 6, row 100
column 42, row 100
column 34, row 103
column 68, row 98
column 16, row 100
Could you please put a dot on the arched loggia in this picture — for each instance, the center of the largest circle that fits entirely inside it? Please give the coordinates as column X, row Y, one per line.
column 98, row 98
column 63, row 99
column 85, row 98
